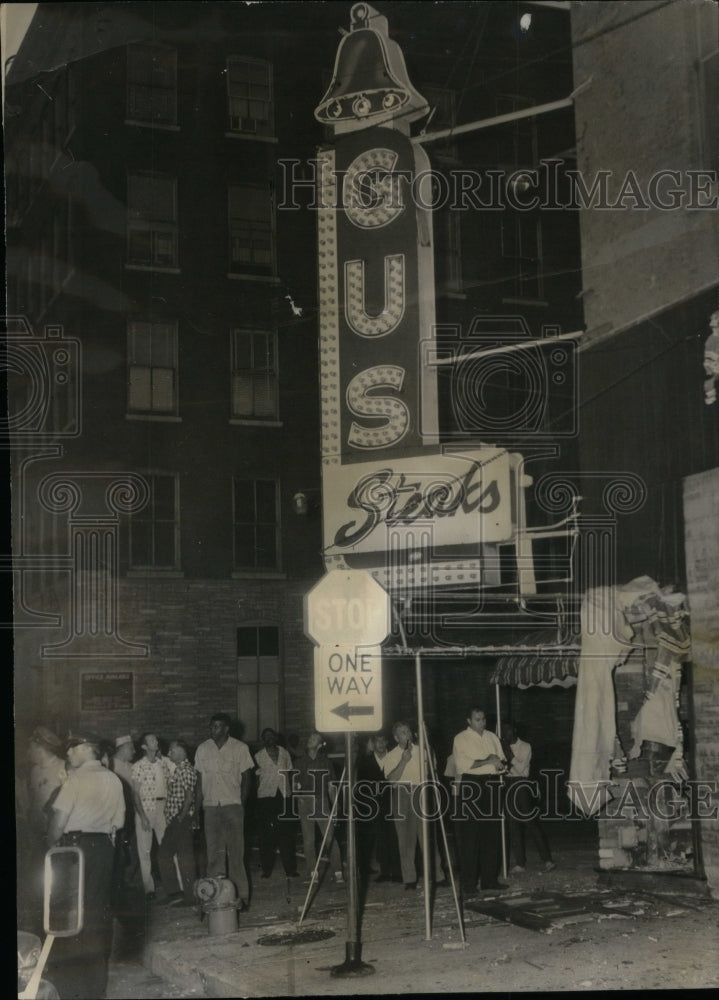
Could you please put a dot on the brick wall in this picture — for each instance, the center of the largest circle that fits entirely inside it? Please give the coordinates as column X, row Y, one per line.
column 637, row 261
column 189, row 627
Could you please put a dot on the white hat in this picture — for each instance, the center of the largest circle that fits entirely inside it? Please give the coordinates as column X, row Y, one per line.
column 121, row 741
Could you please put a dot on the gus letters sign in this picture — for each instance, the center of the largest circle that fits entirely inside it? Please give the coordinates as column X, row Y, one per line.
column 383, row 470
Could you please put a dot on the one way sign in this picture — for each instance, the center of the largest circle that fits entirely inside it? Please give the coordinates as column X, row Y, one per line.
column 348, row 689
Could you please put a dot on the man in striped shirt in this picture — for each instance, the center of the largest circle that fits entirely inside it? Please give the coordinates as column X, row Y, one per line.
column 179, row 816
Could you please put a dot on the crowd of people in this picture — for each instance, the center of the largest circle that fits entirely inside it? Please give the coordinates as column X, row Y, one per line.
column 153, row 814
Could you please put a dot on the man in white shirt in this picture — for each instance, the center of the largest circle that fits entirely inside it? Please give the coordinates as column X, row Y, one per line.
column 224, row 765
column 479, row 761
column 87, row 813
column 401, row 768
column 276, row 829
column 520, row 810
column 150, row 775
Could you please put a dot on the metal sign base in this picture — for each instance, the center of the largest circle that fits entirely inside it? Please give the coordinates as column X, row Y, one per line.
column 353, row 966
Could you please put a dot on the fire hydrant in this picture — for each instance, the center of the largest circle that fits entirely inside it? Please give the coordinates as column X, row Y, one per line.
column 218, row 898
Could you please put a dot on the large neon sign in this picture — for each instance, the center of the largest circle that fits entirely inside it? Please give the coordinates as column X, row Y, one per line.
column 383, row 470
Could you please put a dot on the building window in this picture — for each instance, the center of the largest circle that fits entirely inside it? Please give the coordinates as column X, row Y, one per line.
column 709, row 85
column 258, row 678
column 249, row 96
column 152, row 84
column 256, row 528
column 151, row 367
column 254, row 374
column 152, row 220
column 251, row 226
column 153, row 533
column 522, row 243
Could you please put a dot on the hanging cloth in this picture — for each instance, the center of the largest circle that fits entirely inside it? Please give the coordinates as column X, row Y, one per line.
column 606, row 641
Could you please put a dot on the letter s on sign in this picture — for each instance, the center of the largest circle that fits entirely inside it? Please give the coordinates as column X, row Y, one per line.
column 361, row 404
column 322, row 617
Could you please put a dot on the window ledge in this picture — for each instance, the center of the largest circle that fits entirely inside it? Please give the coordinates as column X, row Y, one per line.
column 249, row 422
column 258, row 574
column 268, row 279
column 519, row 301
column 160, row 125
column 150, row 572
column 252, row 137
column 167, row 419
column 152, row 267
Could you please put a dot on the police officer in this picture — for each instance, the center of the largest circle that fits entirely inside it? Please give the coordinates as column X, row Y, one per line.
column 88, row 811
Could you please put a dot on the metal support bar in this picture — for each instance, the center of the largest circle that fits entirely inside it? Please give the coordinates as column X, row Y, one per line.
column 507, row 349
column 31, row 990
column 433, row 776
column 422, row 781
column 513, row 116
column 313, row 876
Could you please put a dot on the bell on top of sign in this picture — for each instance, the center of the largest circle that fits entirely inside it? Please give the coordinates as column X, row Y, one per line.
column 370, row 84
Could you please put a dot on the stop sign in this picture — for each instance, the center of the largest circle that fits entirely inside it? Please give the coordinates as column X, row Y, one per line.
column 347, row 607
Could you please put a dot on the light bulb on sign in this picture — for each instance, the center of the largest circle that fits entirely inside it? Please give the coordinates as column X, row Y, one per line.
column 300, row 503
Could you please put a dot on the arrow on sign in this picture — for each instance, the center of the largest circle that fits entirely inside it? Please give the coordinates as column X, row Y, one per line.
column 344, row 711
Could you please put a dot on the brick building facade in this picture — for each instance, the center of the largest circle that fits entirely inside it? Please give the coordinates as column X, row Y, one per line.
column 145, row 230
column 649, row 274
column 150, row 228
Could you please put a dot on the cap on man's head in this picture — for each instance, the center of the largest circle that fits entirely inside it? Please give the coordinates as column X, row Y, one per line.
column 120, row 741
column 45, row 738
column 79, row 739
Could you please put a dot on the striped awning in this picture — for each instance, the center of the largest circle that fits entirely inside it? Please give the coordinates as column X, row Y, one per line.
column 539, row 660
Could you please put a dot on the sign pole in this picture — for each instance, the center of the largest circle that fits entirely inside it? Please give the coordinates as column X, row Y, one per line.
column 353, row 964
column 502, row 820
column 423, row 781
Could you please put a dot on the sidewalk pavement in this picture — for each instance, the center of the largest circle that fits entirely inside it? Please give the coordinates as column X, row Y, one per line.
column 666, row 942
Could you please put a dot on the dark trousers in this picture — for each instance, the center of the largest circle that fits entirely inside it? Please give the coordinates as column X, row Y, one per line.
column 178, row 841
column 366, row 830
column 519, row 804
column 31, row 849
column 387, row 848
column 79, row 964
column 376, row 836
column 479, row 830
column 225, row 843
column 276, row 833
